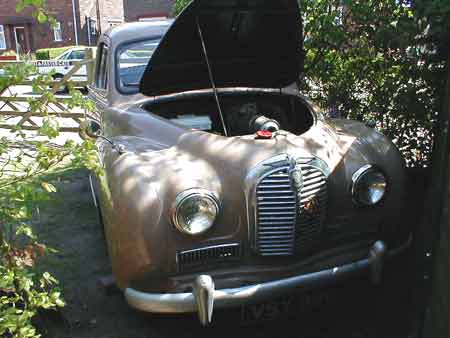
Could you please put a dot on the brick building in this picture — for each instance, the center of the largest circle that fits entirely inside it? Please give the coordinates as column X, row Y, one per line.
column 135, row 10
column 79, row 21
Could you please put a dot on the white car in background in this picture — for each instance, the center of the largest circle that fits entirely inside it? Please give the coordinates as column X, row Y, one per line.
column 63, row 63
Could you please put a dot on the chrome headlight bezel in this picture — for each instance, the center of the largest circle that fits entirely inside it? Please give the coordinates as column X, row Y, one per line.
column 183, row 198
column 358, row 177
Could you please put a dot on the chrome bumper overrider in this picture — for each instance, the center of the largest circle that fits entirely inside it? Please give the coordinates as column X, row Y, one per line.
column 204, row 297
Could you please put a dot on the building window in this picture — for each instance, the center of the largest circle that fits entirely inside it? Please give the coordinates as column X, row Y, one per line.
column 57, row 32
column 2, row 38
column 153, row 18
column 114, row 22
column 92, row 27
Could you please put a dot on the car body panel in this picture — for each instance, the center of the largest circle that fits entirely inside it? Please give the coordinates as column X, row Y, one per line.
column 157, row 144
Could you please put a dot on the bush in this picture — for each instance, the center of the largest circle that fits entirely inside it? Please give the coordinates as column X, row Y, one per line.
column 375, row 60
column 42, row 54
column 25, row 288
column 51, row 53
column 9, row 52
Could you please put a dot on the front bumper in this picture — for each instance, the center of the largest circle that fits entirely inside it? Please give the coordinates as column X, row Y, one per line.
column 204, row 296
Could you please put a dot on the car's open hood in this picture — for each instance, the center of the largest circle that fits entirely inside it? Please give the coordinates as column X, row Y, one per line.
column 250, row 43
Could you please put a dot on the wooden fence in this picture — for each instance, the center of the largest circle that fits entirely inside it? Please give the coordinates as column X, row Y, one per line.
column 14, row 106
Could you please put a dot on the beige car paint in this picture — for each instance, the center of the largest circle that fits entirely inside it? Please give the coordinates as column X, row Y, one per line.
column 137, row 189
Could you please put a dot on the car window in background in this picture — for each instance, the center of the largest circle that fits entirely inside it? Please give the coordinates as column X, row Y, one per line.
column 63, row 56
column 132, row 60
column 76, row 55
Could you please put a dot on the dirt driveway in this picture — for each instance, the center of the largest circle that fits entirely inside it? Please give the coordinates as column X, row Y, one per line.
column 69, row 223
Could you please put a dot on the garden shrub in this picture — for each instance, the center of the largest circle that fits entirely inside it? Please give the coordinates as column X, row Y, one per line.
column 25, row 287
column 42, row 54
column 9, row 52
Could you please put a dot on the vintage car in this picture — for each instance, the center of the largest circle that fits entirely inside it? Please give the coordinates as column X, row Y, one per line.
column 222, row 186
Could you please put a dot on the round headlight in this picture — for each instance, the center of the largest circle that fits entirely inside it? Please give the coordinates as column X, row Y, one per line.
column 195, row 211
column 369, row 185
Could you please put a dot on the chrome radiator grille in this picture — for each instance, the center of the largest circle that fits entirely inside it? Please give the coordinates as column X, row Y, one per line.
column 313, row 205
column 285, row 222
column 276, row 214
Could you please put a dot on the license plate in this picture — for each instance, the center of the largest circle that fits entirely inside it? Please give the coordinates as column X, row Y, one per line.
column 285, row 306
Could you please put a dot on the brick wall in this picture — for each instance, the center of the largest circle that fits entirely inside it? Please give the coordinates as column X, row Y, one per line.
column 62, row 11
column 136, row 9
column 111, row 12
column 87, row 11
column 38, row 35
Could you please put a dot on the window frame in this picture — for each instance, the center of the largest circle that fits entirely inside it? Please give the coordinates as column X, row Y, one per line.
column 57, row 32
column 102, row 67
column 73, row 52
column 122, row 90
column 63, row 56
column 3, row 37
column 93, row 26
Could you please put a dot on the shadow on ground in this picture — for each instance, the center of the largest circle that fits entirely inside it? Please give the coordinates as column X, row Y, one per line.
column 69, row 223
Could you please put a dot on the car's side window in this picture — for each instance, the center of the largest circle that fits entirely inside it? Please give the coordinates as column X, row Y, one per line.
column 101, row 74
column 77, row 55
column 63, row 56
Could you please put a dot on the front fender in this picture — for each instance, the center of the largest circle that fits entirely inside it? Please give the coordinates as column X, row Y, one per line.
column 369, row 146
column 138, row 189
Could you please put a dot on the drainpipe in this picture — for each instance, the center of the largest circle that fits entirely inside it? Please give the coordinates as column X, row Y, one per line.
column 87, row 19
column 75, row 25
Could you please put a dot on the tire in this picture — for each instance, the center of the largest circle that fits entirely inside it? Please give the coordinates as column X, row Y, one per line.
column 63, row 89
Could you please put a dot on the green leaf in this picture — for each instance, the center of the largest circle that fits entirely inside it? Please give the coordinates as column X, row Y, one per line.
column 25, row 230
column 41, row 17
column 48, row 187
column 37, row 3
column 20, row 6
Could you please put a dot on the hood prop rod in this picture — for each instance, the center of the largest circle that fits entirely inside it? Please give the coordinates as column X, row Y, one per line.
column 211, row 79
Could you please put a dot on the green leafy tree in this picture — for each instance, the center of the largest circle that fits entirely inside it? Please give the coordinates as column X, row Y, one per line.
column 374, row 60
column 179, row 5
column 25, row 287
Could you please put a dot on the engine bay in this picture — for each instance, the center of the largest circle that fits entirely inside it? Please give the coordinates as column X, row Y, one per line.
column 242, row 114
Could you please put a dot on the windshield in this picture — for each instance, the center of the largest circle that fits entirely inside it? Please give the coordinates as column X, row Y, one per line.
column 132, row 61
